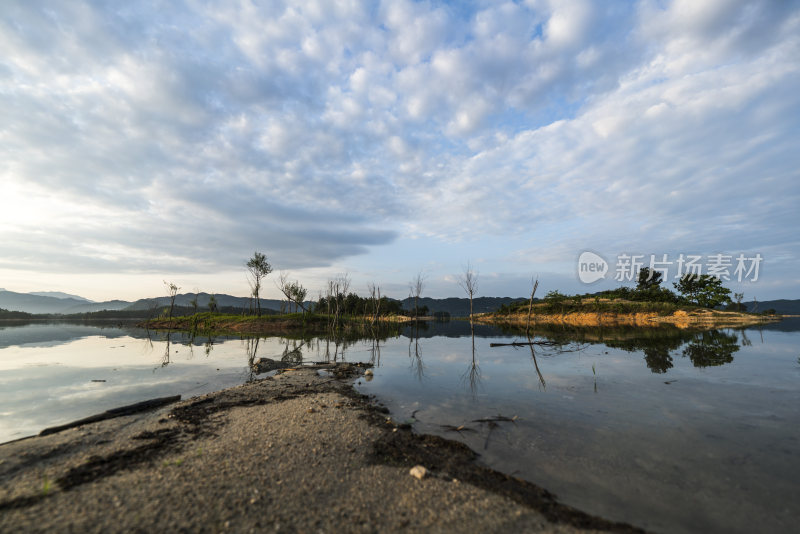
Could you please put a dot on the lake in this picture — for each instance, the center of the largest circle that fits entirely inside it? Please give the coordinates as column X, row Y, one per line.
column 667, row 429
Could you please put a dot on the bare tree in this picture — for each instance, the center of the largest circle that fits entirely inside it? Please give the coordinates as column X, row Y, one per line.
column 469, row 283
column 737, row 297
column 172, row 290
column 530, row 308
column 257, row 268
column 375, row 298
column 285, row 287
column 337, row 290
column 416, row 286
column 343, row 286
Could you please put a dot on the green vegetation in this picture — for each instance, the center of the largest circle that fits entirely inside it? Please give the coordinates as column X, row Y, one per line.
column 6, row 314
column 648, row 296
column 257, row 268
column 353, row 305
column 703, row 290
column 613, row 301
column 301, row 324
column 648, row 279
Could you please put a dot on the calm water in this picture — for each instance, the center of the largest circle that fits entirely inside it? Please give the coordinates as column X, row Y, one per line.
column 672, row 431
column 51, row 374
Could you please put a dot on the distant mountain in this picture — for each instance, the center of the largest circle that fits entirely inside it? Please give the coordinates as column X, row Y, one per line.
column 58, row 295
column 63, row 303
column 223, row 301
column 112, row 305
column 44, row 303
column 781, row 306
column 27, row 302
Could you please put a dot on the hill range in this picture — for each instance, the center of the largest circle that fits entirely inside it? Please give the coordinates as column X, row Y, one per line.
column 64, row 304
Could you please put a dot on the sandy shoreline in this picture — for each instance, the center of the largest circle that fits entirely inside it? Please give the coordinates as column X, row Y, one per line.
column 698, row 320
column 301, row 451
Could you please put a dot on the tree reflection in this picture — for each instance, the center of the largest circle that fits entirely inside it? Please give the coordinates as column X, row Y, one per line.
column 711, row 348
column 251, row 349
column 658, row 359
column 472, row 377
column 293, row 354
column 417, row 365
column 536, row 364
column 375, row 351
column 659, row 345
column 165, row 357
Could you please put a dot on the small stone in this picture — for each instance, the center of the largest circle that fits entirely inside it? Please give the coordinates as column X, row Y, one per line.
column 368, row 372
column 418, row 472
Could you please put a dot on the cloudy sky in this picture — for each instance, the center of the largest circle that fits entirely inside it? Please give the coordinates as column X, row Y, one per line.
column 150, row 140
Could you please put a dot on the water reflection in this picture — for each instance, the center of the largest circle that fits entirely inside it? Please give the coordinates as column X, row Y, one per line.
column 658, row 345
column 542, row 383
column 711, row 348
column 631, row 450
column 627, row 451
column 375, row 351
column 417, row 365
column 165, row 358
column 472, row 377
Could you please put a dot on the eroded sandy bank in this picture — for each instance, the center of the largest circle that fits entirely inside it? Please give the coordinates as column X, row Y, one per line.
column 297, row 452
column 700, row 319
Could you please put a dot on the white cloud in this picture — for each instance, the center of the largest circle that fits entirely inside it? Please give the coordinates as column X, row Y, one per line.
column 319, row 130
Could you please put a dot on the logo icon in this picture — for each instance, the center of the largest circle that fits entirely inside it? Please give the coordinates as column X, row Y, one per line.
column 591, row 267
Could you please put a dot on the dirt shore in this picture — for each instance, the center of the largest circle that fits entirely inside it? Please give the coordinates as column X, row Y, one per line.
column 699, row 319
column 298, row 452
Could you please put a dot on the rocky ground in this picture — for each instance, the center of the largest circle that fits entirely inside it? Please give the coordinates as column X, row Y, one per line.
column 298, row 452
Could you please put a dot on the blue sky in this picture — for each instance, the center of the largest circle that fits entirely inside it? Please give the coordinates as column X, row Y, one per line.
column 151, row 141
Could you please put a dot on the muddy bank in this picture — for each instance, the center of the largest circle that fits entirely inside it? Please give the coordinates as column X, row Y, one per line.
column 301, row 451
column 295, row 324
column 699, row 319
column 235, row 325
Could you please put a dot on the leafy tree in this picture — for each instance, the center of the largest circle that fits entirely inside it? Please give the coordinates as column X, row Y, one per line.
column 555, row 296
column 648, row 279
column 257, row 267
column 704, row 290
column 298, row 293
column 655, row 294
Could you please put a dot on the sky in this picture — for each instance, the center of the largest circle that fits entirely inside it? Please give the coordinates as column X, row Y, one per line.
column 147, row 141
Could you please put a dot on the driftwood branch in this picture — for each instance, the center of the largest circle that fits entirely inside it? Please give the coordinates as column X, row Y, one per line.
column 115, row 412
column 525, row 344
